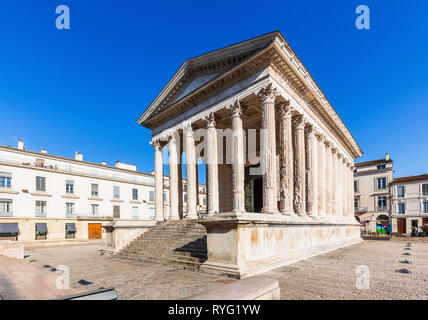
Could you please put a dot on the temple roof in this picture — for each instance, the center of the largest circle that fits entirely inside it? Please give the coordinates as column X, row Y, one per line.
column 200, row 76
column 198, row 71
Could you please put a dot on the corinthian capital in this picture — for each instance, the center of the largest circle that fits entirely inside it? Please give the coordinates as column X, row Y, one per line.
column 299, row 122
column 187, row 129
column 210, row 120
column 284, row 109
column 236, row 109
column 156, row 144
column 268, row 94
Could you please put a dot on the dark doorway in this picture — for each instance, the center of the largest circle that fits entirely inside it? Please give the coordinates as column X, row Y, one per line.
column 401, row 225
column 258, row 194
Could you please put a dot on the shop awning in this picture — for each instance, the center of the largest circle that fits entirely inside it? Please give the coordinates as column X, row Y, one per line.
column 71, row 227
column 9, row 228
column 42, row 227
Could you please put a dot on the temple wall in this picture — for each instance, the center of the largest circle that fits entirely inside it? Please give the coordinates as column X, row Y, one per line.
column 239, row 248
column 225, row 187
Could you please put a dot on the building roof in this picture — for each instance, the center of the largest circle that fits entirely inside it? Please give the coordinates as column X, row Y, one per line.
column 422, row 177
column 372, row 162
column 47, row 155
column 202, row 75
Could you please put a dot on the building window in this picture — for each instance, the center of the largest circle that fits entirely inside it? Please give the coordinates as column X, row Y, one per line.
column 40, row 208
column 381, row 183
column 204, row 201
column 185, row 187
column 151, row 213
column 356, row 203
column 355, row 186
column 185, row 198
column 94, row 189
column 135, row 212
column 95, row 209
column 164, row 196
column 41, row 184
column 5, row 207
column 425, row 189
column 382, row 166
column 381, row 203
column 116, row 212
column 400, row 191
column 401, row 208
column 5, row 180
column 69, row 186
column 69, row 209
column 425, row 206
column 135, row 194
column 151, row 196
column 116, row 192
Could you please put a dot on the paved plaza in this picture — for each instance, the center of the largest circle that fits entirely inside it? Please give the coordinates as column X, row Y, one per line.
column 327, row 276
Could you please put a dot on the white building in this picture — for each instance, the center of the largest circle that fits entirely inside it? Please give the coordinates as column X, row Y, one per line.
column 70, row 198
column 409, row 203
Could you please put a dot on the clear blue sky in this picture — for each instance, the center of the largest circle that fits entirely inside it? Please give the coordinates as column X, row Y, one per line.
column 83, row 89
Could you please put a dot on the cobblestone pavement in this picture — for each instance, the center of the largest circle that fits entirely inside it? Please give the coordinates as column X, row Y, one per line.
column 328, row 276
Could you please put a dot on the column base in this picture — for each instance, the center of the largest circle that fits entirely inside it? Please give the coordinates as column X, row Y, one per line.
column 288, row 213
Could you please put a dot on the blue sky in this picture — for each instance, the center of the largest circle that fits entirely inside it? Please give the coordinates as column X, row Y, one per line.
column 83, row 89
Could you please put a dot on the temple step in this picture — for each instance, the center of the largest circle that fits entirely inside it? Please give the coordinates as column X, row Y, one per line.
column 181, row 244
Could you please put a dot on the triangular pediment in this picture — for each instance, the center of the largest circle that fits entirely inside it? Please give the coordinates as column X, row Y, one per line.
column 198, row 71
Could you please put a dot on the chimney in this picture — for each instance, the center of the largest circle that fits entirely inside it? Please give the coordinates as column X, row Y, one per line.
column 44, row 151
column 103, row 163
column 387, row 156
column 78, row 156
column 20, row 144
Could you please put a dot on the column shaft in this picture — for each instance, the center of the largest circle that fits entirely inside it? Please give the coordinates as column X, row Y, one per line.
column 312, row 175
column 268, row 149
column 190, row 172
column 321, row 176
column 158, row 181
column 238, row 170
column 339, row 187
column 212, row 167
column 334, row 182
column 300, row 168
column 286, row 161
column 173, row 176
column 328, row 181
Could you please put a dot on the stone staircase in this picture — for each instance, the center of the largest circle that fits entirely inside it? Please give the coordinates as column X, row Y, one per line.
column 182, row 244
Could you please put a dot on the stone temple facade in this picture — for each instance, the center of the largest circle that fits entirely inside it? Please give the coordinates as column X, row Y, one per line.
column 279, row 160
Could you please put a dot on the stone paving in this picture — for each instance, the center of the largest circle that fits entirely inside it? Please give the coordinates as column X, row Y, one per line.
column 328, row 276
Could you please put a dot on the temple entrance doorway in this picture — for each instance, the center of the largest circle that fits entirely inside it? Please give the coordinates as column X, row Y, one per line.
column 253, row 192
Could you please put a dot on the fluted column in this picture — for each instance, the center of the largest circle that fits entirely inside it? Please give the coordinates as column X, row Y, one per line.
column 173, row 176
column 212, row 166
column 345, row 189
column 180, row 178
column 190, row 172
column 286, row 160
column 351, row 192
column 334, row 181
column 321, row 176
column 339, row 187
column 158, row 180
column 300, row 168
column 268, row 149
column 328, row 180
column 312, row 174
column 238, row 170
